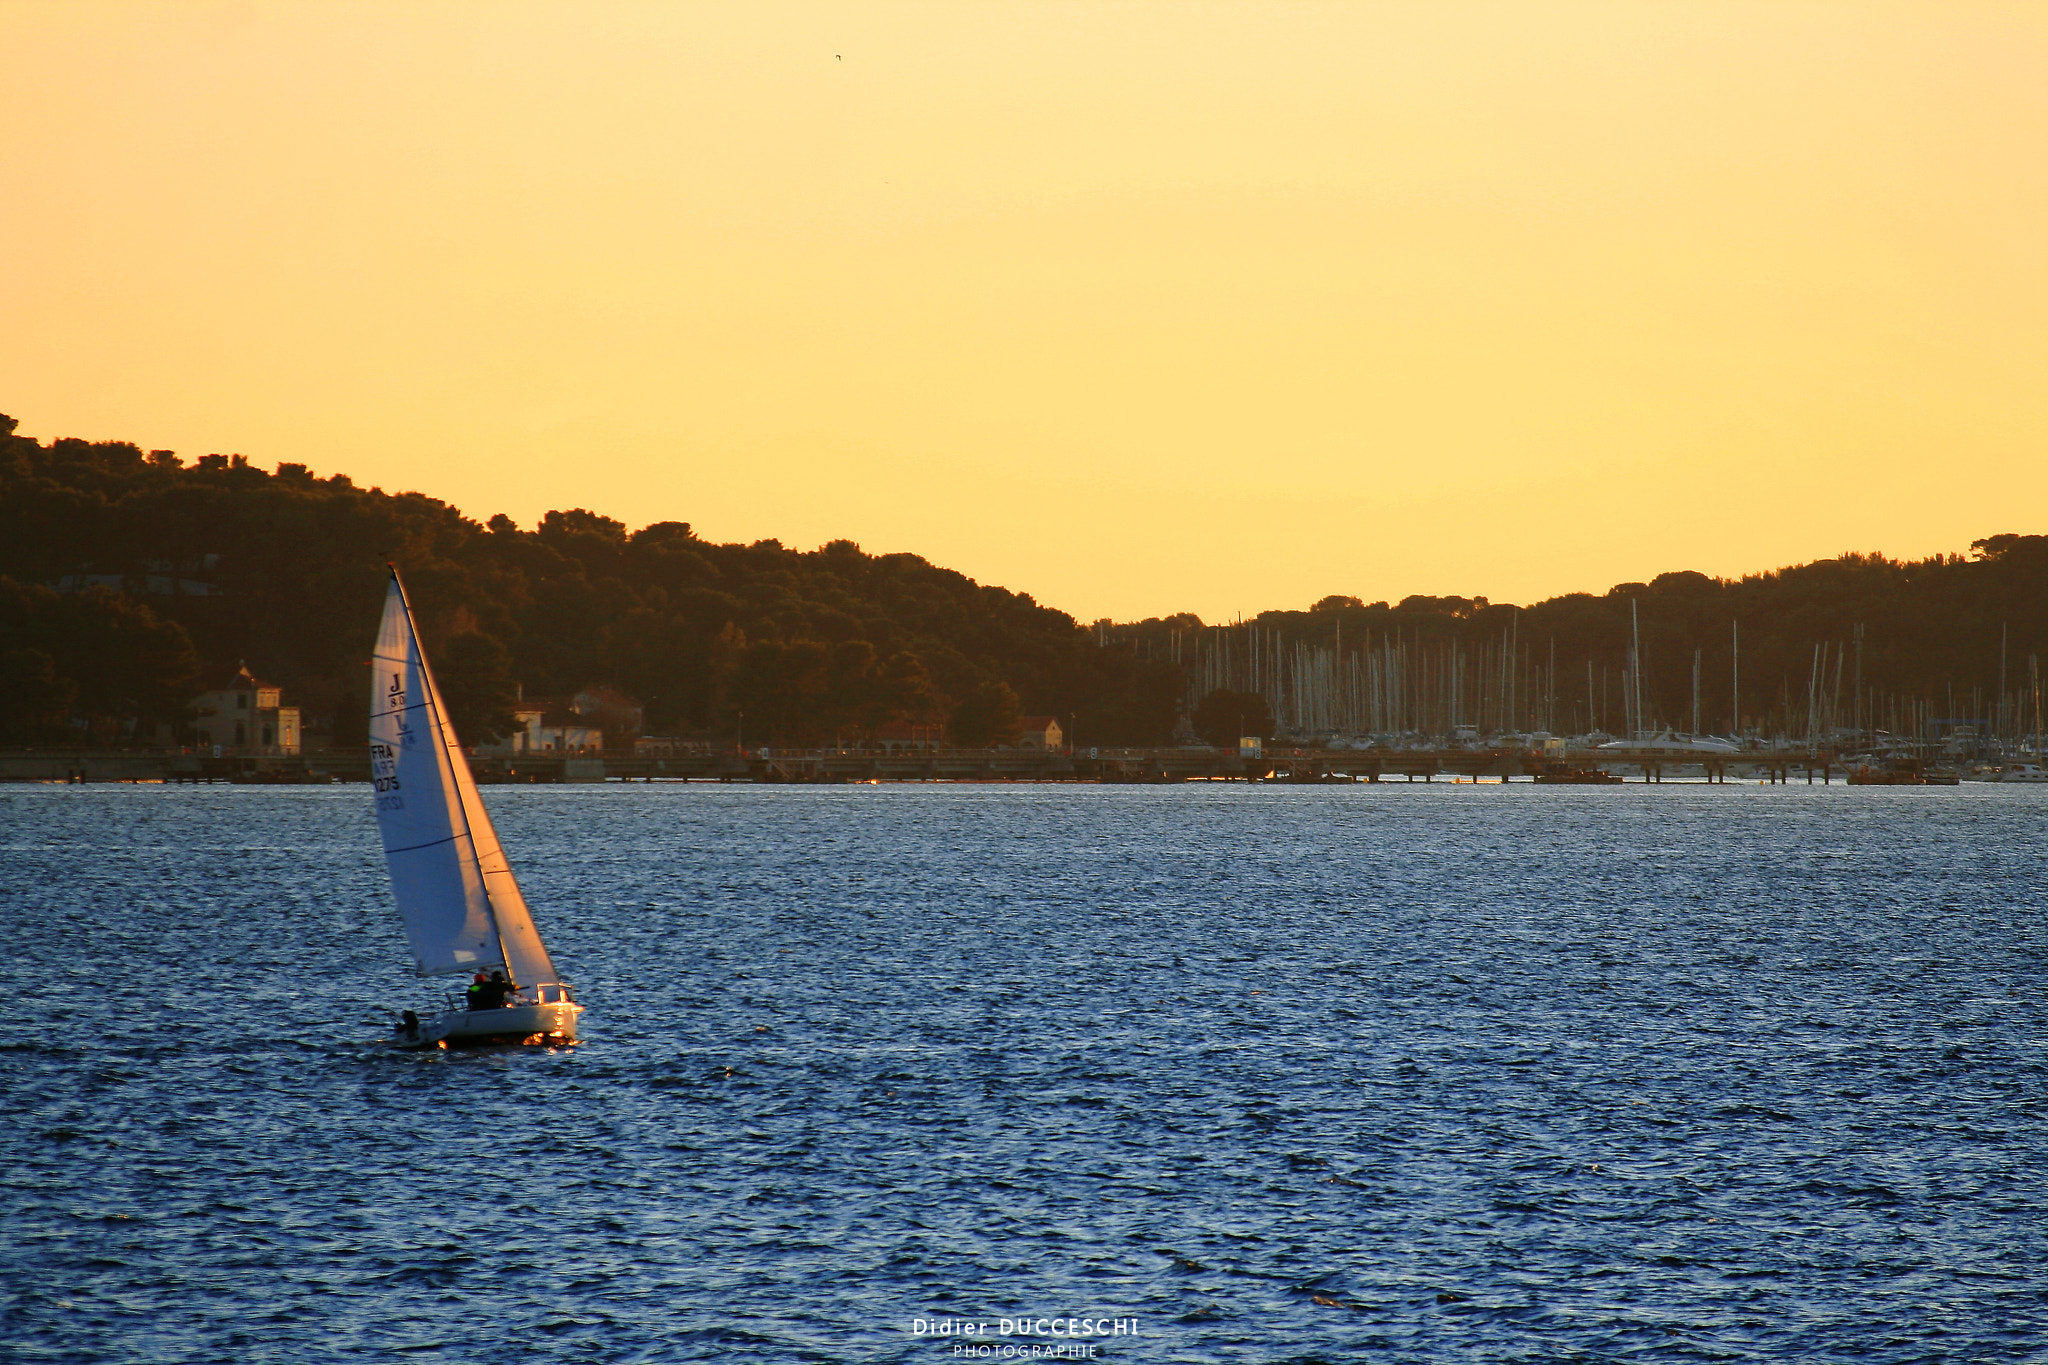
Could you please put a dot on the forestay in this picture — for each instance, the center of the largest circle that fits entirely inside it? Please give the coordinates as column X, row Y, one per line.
column 455, row 891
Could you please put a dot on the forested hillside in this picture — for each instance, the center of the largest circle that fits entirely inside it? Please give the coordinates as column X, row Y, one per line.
column 126, row 577
column 129, row 575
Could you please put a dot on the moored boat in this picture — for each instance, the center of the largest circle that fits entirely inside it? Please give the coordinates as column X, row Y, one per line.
column 1564, row 774
column 461, row 905
column 1895, row 772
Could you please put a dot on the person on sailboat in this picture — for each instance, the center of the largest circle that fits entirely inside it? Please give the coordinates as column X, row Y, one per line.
column 492, row 994
column 474, row 996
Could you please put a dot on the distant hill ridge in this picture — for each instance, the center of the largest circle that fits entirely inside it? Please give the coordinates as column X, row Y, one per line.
column 219, row 561
column 127, row 572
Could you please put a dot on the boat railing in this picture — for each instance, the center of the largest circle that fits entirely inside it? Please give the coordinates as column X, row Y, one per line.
column 554, row 993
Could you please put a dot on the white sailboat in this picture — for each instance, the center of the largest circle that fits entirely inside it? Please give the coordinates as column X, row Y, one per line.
column 455, row 891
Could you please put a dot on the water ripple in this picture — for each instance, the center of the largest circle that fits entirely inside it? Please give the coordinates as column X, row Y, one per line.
column 1416, row 1072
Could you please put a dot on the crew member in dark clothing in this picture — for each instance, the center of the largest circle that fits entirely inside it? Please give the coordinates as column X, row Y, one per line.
column 473, row 998
column 491, row 995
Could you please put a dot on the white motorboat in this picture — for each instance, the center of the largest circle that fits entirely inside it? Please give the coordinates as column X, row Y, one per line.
column 461, row 905
column 1668, row 742
column 2021, row 772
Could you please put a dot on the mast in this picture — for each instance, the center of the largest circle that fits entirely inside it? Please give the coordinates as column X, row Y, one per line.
column 1514, row 671
column 442, row 736
column 1735, row 675
column 1855, row 687
column 1696, row 690
column 1635, row 667
column 2034, row 669
column 1550, row 691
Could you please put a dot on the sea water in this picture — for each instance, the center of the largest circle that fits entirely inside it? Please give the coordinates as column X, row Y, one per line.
column 934, row 1072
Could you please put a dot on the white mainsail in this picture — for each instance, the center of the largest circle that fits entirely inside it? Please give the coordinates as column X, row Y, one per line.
column 455, row 891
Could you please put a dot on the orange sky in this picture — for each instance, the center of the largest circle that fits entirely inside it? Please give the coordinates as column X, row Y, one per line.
column 1137, row 307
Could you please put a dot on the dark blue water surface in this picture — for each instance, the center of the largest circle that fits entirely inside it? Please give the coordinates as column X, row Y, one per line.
column 1404, row 1073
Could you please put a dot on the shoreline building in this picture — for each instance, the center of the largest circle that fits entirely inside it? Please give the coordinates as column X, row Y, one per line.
column 1040, row 732
column 583, row 723
column 246, row 715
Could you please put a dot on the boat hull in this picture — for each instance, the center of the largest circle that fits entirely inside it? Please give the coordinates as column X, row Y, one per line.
column 550, row 1023
column 1555, row 772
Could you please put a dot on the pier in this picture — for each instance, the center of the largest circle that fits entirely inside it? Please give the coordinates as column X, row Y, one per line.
column 949, row 765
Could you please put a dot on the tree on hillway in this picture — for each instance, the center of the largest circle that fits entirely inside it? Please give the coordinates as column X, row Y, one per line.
column 1224, row 717
column 987, row 716
column 782, row 687
column 96, row 659
column 475, row 677
column 38, row 699
column 902, row 690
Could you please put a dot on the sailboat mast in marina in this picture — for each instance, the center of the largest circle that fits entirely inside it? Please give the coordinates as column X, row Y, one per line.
column 456, row 894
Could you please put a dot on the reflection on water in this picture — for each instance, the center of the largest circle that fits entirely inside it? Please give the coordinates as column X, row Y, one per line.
column 1418, row 1072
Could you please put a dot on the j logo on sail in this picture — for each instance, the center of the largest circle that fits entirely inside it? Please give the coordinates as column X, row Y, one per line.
column 396, row 697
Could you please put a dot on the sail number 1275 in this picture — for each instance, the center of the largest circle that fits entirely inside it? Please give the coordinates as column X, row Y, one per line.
column 384, row 773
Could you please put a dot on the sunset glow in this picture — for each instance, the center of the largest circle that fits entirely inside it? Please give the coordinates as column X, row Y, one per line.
column 1139, row 308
